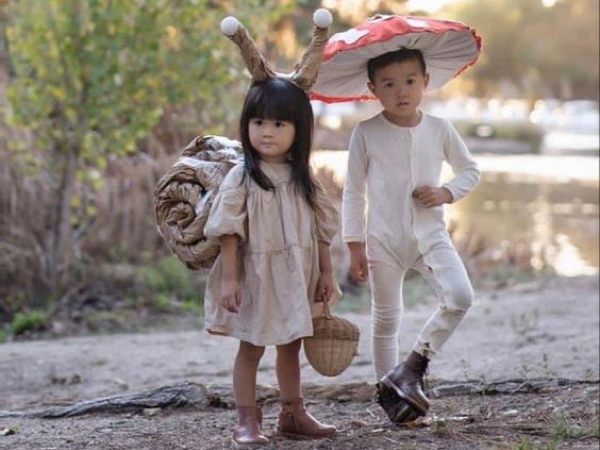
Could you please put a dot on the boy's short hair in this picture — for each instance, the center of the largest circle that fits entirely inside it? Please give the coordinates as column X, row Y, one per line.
column 397, row 56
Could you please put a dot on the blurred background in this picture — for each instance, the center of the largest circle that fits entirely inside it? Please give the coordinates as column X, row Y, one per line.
column 97, row 99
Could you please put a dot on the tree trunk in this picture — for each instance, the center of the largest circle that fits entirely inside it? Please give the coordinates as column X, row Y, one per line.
column 61, row 232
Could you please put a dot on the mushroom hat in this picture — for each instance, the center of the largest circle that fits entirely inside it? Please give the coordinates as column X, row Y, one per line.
column 448, row 48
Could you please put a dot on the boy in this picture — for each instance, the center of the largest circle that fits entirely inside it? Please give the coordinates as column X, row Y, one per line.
column 398, row 156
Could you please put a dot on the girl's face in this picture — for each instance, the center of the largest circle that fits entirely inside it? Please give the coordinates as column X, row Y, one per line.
column 272, row 139
column 399, row 87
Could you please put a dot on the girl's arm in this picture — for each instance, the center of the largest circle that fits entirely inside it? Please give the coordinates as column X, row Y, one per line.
column 325, row 284
column 230, row 299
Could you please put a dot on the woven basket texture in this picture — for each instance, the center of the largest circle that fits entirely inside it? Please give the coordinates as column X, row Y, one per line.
column 333, row 345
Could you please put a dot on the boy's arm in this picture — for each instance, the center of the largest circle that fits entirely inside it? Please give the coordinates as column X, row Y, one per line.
column 354, row 201
column 353, row 206
column 466, row 171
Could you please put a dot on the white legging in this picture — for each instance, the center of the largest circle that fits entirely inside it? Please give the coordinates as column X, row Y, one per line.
column 443, row 269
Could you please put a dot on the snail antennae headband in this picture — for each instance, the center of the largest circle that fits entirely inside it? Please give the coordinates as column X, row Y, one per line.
column 305, row 72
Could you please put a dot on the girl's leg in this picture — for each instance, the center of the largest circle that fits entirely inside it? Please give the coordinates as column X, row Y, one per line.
column 244, row 373
column 294, row 421
column 247, row 432
column 288, row 369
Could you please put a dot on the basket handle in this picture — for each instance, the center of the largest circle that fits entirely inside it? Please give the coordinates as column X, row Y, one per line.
column 326, row 311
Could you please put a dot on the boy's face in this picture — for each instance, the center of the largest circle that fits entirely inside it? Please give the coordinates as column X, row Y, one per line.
column 399, row 87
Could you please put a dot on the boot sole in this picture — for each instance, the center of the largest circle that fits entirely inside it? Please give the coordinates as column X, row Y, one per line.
column 421, row 408
column 303, row 437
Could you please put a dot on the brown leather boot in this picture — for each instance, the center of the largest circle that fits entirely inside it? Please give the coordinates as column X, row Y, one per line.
column 247, row 433
column 406, row 379
column 296, row 423
column 396, row 408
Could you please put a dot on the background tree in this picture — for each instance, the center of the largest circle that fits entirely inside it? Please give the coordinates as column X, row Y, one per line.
column 93, row 78
column 532, row 50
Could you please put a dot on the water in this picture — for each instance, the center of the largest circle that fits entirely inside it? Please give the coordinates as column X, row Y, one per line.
column 550, row 203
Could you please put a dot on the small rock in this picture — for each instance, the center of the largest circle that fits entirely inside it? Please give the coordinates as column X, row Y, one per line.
column 151, row 412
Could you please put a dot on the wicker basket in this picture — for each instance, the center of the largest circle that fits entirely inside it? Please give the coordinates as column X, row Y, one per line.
column 332, row 347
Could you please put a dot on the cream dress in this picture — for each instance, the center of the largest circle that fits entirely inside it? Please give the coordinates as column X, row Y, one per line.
column 278, row 258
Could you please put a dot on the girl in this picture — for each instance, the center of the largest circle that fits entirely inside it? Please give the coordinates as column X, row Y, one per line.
column 274, row 223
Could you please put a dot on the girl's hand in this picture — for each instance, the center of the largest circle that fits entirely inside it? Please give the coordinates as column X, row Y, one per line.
column 325, row 287
column 359, row 267
column 430, row 197
column 230, row 296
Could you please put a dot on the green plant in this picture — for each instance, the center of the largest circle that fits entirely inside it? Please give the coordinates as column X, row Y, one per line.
column 565, row 427
column 524, row 445
column 170, row 278
column 192, row 307
column 162, row 301
column 33, row 320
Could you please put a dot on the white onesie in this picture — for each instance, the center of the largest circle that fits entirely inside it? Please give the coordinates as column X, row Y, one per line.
column 388, row 162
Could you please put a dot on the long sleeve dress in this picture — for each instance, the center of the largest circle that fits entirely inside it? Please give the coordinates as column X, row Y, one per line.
column 278, row 256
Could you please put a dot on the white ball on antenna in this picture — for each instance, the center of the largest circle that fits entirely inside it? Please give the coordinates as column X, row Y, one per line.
column 322, row 18
column 229, row 26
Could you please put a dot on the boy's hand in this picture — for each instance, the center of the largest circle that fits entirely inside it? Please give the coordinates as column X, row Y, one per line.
column 359, row 268
column 430, row 197
column 325, row 287
column 230, row 296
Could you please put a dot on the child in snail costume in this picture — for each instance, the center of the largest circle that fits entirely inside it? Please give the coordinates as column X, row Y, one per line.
column 274, row 223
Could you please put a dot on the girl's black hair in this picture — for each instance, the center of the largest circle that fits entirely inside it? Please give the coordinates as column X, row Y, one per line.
column 280, row 99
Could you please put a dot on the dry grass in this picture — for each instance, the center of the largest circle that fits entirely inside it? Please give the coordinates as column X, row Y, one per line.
column 114, row 222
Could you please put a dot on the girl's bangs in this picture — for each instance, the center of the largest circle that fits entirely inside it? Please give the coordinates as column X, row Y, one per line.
column 272, row 107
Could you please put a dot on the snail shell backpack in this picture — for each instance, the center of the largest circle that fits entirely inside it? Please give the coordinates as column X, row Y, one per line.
column 184, row 195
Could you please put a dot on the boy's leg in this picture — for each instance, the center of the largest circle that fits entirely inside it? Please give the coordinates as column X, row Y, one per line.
column 386, row 282
column 445, row 272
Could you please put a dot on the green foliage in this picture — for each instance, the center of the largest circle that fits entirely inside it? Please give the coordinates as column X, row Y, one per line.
column 98, row 74
column 168, row 279
column 31, row 321
column 534, row 47
column 91, row 80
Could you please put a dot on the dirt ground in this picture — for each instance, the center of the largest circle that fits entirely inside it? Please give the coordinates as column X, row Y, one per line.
column 520, row 374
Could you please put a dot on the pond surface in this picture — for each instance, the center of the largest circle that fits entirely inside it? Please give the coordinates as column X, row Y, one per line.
column 550, row 203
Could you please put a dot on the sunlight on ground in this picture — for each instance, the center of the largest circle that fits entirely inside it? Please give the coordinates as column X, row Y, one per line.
column 568, row 261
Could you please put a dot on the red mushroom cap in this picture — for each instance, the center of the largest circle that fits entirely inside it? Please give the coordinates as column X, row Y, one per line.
column 448, row 47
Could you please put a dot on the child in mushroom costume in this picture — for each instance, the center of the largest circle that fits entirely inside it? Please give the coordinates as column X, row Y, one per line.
column 395, row 163
column 274, row 223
